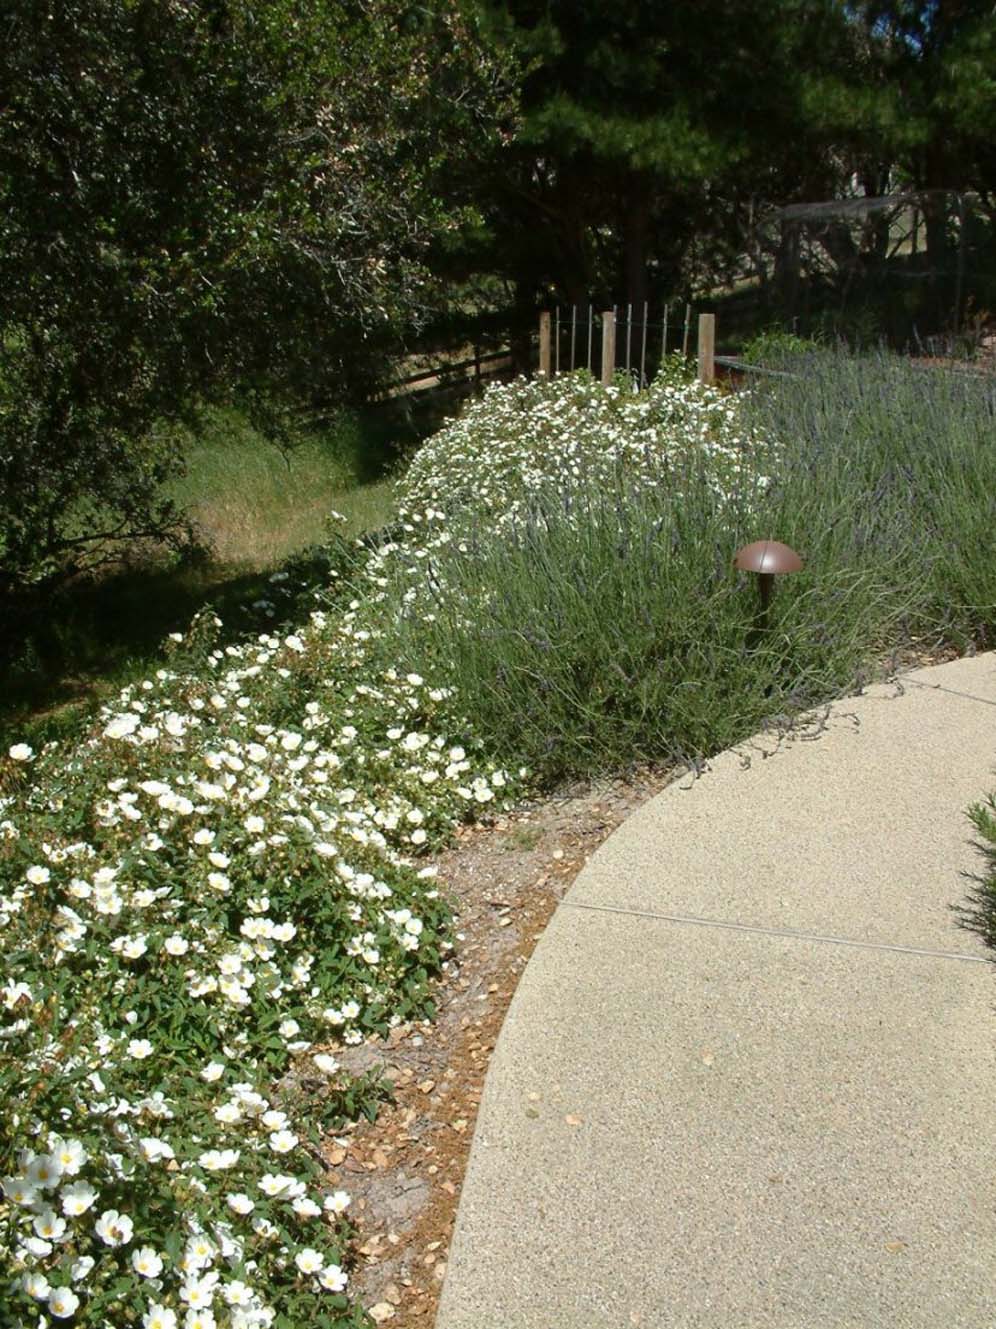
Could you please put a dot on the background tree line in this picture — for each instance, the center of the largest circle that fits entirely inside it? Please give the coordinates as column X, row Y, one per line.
column 269, row 201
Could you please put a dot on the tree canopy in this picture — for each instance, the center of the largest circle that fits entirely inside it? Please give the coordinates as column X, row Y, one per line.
column 267, row 198
column 201, row 199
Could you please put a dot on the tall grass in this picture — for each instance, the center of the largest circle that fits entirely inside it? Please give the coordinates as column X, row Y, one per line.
column 254, row 504
column 611, row 628
column 254, row 507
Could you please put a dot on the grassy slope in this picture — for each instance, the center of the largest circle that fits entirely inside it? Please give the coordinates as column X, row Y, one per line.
column 254, row 506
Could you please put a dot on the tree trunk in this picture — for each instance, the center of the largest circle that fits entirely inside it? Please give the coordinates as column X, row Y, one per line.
column 787, row 269
column 637, row 201
column 940, row 260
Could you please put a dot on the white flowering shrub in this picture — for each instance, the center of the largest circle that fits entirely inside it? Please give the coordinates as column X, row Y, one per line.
column 524, row 442
column 218, row 884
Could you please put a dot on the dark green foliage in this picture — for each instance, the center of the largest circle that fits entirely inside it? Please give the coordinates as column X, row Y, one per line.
column 200, row 201
column 650, row 130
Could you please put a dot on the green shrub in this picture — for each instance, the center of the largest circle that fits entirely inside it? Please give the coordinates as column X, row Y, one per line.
column 775, row 346
column 903, row 457
column 201, row 897
column 217, row 881
column 575, row 584
column 982, row 916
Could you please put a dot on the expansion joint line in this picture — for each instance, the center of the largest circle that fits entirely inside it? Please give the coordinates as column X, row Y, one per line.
column 952, row 692
column 776, row 932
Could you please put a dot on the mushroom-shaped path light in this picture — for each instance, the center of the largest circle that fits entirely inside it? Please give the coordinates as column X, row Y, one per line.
column 767, row 558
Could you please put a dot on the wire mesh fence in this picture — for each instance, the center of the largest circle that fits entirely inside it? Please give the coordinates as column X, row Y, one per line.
column 915, row 269
column 630, row 339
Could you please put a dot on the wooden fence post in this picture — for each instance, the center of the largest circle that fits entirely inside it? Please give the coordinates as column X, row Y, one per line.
column 544, row 347
column 608, row 345
column 707, row 348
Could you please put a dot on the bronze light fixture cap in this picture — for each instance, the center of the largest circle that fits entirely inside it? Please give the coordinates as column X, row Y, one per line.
column 767, row 556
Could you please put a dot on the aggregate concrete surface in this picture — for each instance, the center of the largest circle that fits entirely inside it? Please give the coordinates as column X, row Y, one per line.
column 748, row 1076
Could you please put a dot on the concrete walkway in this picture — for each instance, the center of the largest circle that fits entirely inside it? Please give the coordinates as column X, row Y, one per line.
column 749, row 1076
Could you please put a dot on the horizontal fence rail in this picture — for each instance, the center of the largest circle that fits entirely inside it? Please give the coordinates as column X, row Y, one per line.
column 451, row 374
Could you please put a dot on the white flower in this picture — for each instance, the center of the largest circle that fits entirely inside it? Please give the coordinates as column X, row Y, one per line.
column 272, row 1184
column 153, row 1149
column 77, row 1199
column 288, row 1028
column 37, row 876
column 306, row 1208
column 309, row 1261
column 338, row 1202
column 121, row 725
column 253, row 928
column 332, row 1278
column 81, row 1268
column 325, row 1063
column 20, row 752
column 214, row 1070
column 114, row 1229
column 282, row 1142
column 49, row 1226
column 44, row 1171
column 199, row 1253
column 132, row 948
column 35, row 1285
column 19, row 1190
column 198, row 1294
column 147, row 1262
column 237, row 1293
column 14, row 993
column 159, row 1317
column 240, row 1203
column 233, row 991
column 140, row 1048
column 62, row 1302
column 176, row 945
column 218, row 1160
column 36, row 1246
column 202, row 1319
